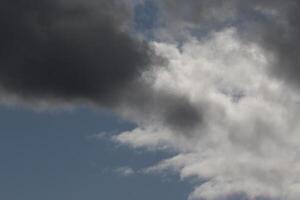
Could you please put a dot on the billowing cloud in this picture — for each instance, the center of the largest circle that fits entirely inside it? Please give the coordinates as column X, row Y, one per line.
column 246, row 146
column 274, row 24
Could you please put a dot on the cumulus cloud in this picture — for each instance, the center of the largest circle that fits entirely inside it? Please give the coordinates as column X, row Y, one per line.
column 246, row 145
column 274, row 24
column 237, row 62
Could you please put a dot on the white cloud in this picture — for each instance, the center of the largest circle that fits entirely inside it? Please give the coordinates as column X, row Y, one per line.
column 125, row 171
column 248, row 141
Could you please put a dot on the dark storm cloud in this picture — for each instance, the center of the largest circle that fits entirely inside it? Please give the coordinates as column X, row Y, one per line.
column 68, row 49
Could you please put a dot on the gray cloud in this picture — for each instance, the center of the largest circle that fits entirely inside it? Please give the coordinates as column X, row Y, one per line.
column 280, row 35
column 165, row 107
column 76, row 50
column 182, row 115
column 68, row 49
column 249, row 148
column 273, row 24
column 244, row 149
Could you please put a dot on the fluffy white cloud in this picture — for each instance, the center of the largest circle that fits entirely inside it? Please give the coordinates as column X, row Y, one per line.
column 248, row 140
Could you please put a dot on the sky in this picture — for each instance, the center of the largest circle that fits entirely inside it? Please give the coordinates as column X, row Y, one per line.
column 149, row 99
column 58, row 156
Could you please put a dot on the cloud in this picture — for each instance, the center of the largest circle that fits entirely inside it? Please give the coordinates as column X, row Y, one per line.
column 246, row 144
column 273, row 24
column 63, row 52
column 125, row 171
column 218, row 85
column 196, row 12
column 279, row 35
column 180, row 18
column 69, row 50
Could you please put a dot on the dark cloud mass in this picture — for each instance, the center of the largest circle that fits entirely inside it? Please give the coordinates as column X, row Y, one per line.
column 83, row 50
column 281, row 37
column 68, row 49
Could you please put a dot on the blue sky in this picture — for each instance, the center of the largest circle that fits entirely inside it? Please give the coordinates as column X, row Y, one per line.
column 53, row 155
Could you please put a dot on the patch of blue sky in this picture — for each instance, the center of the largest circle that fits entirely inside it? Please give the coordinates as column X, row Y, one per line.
column 241, row 22
column 52, row 155
column 146, row 18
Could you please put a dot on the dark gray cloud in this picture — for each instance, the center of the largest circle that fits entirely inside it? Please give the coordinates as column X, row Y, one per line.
column 164, row 107
column 68, row 49
column 182, row 115
column 280, row 35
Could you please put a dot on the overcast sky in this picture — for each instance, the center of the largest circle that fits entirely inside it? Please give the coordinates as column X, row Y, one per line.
column 150, row 99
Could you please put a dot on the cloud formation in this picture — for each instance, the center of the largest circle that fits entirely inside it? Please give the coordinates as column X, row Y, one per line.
column 274, row 24
column 279, row 35
column 246, row 146
column 83, row 51
column 218, row 85
column 68, row 49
